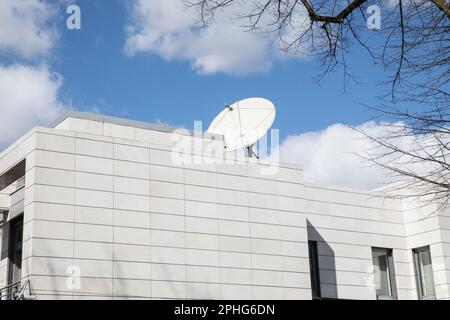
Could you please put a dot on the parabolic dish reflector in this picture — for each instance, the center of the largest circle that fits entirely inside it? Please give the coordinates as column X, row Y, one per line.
column 243, row 123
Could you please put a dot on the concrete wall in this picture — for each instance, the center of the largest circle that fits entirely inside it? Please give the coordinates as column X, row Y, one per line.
column 348, row 223
column 8, row 159
column 430, row 226
column 4, row 201
column 140, row 227
column 109, row 200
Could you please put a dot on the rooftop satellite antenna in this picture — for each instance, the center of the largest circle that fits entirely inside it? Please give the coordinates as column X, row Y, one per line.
column 243, row 123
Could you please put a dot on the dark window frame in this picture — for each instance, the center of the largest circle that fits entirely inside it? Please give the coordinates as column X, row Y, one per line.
column 314, row 269
column 15, row 249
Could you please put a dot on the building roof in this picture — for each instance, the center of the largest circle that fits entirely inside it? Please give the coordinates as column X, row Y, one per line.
column 127, row 122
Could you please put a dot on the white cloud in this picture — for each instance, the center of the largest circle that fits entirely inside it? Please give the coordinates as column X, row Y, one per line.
column 25, row 27
column 29, row 96
column 334, row 156
column 170, row 30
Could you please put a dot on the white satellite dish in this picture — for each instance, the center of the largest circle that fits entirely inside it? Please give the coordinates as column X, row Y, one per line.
column 243, row 123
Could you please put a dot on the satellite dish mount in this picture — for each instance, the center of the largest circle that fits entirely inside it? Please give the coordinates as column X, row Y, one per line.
column 251, row 153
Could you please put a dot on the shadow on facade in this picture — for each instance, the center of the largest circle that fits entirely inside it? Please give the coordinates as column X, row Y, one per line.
column 326, row 264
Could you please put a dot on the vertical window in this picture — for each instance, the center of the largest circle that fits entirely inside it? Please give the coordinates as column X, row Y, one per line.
column 314, row 269
column 15, row 250
column 424, row 273
column 384, row 273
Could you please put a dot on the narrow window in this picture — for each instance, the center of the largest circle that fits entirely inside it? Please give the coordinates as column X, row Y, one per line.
column 314, row 269
column 384, row 273
column 424, row 273
column 15, row 250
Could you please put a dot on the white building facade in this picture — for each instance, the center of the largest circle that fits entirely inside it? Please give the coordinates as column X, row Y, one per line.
column 102, row 208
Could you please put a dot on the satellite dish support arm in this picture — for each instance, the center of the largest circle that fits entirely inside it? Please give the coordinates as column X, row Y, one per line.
column 251, row 153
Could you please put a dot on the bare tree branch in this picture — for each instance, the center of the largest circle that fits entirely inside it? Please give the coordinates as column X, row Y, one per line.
column 412, row 47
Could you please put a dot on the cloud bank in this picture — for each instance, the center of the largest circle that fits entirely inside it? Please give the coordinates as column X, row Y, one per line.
column 334, row 156
column 29, row 89
column 25, row 27
column 29, row 96
column 170, row 30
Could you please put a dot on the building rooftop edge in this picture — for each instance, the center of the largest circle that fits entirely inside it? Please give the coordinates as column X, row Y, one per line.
column 127, row 122
column 144, row 125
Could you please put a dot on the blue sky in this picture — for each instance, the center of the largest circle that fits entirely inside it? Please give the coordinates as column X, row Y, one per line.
column 147, row 60
column 98, row 74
